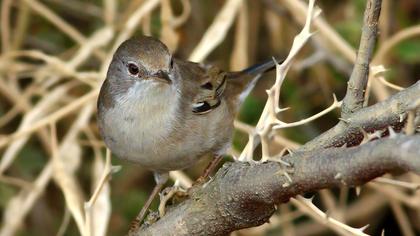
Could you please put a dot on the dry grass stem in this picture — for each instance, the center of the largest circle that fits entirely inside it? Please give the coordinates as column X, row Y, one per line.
column 398, row 183
column 217, row 30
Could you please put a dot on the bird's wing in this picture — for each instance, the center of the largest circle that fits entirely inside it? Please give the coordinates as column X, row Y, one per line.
column 212, row 85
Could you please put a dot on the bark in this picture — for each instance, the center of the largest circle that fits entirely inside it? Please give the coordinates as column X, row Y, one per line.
column 243, row 195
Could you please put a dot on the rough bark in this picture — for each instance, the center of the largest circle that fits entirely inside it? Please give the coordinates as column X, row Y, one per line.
column 243, row 195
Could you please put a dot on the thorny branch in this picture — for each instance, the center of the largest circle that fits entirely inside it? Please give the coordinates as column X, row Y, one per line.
column 391, row 112
column 241, row 194
column 236, row 199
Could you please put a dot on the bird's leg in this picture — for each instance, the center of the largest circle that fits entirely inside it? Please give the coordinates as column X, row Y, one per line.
column 166, row 195
column 209, row 169
column 161, row 179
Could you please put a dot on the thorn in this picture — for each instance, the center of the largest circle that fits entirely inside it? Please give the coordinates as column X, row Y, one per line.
column 344, row 145
column 364, row 228
column 279, row 110
column 392, row 133
column 370, row 136
column 308, row 200
column 287, row 176
column 402, row 117
column 208, row 182
column 285, row 163
column 377, row 134
column 365, row 136
column 279, row 160
column 335, row 98
column 358, row 190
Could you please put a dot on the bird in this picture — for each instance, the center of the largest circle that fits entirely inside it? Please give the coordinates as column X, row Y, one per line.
column 165, row 113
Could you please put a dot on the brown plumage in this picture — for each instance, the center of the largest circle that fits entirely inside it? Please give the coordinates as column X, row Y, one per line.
column 155, row 123
column 164, row 113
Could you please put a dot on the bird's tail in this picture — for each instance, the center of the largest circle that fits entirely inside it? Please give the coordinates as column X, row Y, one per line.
column 241, row 83
column 260, row 68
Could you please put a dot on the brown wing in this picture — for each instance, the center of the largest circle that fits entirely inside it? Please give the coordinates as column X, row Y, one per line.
column 203, row 85
column 210, row 92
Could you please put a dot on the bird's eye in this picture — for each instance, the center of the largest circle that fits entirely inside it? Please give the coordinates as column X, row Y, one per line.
column 133, row 69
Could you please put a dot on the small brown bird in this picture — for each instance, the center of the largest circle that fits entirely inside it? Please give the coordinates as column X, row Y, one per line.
column 164, row 113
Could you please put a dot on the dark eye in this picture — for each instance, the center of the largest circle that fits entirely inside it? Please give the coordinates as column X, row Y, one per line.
column 133, row 68
column 172, row 63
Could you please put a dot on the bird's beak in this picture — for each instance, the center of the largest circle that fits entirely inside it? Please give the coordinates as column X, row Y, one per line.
column 161, row 76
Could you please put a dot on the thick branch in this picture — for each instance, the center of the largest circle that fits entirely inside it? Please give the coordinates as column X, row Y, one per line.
column 244, row 195
column 356, row 86
column 391, row 112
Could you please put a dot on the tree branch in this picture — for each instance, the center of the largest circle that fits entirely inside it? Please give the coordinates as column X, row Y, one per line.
column 391, row 112
column 356, row 86
column 244, row 195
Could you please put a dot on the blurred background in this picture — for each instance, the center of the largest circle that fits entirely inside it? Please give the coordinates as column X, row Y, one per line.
column 54, row 56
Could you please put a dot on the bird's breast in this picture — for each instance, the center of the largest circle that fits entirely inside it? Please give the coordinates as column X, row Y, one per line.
column 139, row 123
column 150, row 131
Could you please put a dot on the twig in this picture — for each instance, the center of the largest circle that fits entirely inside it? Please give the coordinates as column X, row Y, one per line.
column 217, row 31
column 398, row 183
column 356, row 86
column 89, row 205
column 5, row 25
column 51, row 118
column 333, row 106
column 402, row 218
column 390, row 112
column 309, row 208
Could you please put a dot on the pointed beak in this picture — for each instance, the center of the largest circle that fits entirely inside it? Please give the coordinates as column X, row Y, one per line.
column 161, row 76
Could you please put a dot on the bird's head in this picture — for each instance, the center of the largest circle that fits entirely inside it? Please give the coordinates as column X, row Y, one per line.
column 143, row 62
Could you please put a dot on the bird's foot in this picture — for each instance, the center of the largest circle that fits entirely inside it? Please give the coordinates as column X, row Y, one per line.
column 167, row 194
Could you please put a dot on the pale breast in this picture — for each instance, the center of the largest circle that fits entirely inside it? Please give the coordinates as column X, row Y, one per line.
column 149, row 131
column 139, row 121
